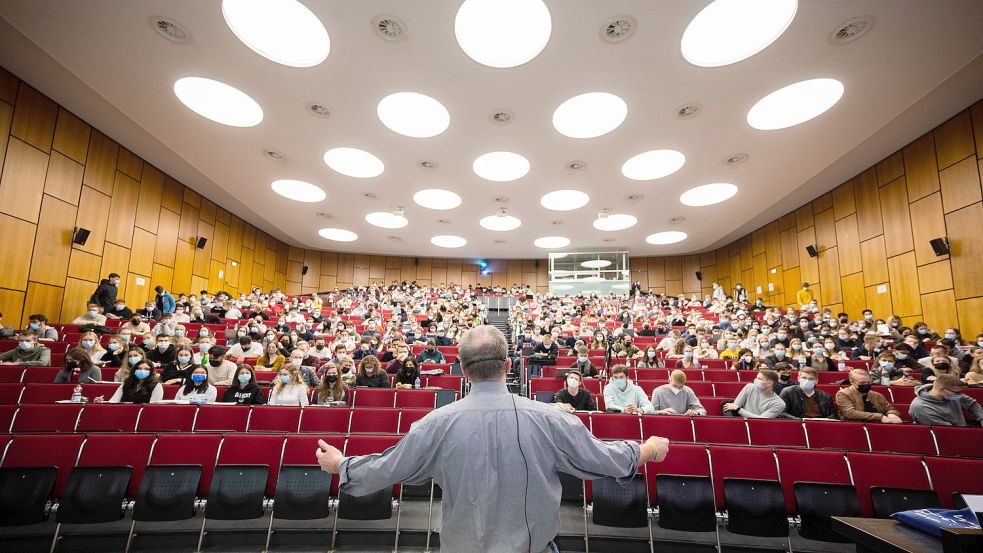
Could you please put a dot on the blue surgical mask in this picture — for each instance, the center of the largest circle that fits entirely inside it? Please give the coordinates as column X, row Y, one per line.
column 134, row 360
column 807, row 384
column 887, row 365
column 199, row 378
column 26, row 344
column 759, row 384
column 950, row 335
column 245, row 378
column 179, row 333
column 141, row 373
column 183, row 358
column 780, row 353
column 923, row 331
column 35, row 326
column 285, row 378
column 621, row 384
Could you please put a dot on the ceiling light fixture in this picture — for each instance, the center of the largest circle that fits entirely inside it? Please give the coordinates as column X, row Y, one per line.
column 708, row 194
column 614, row 221
column 500, row 166
column 338, row 234
column 437, row 198
column 502, row 33
column 387, row 219
column 653, row 164
column 448, row 241
column 353, row 162
column 564, row 200
column 500, row 222
column 298, row 190
column 667, row 237
column 551, row 242
column 728, row 31
column 283, row 31
column 795, row 104
column 590, row 115
column 413, row 114
column 218, row 101
column 595, row 263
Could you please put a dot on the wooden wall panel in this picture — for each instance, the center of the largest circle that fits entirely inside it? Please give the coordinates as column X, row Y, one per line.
column 123, row 210
column 868, row 205
column 808, row 265
column 854, row 297
column 879, row 298
column 64, row 179
column 921, row 170
column 44, row 299
column 71, row 136
column 85, row 266
column 954, row 140
column 904, row 284
column 937, row 309
column 890, row 168
column 966, row 242
column 12, row 307
column 149, row 202
column 829, row 276
column 843, row 200
column 34, row 118
column 22, row 180
column 825, row 230
column 934, row 277
column 970, row 317
column 6, row 116
column 874, row 261
column 18, row 237
column 895, row 217
column 848, row 243
column 53, row 244
column 927, row 222
column 100, row 163
column 960, row 184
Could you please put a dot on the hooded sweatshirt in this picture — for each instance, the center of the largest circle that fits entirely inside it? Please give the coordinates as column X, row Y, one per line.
column 617, row 400
column 925, row 409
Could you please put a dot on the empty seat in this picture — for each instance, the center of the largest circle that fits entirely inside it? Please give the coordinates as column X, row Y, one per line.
column 746, row 483
column 719, row 375
column 901, row 438
column 954, row 476
column 254, row 449
column 236, row 493
column 837, row 435
column 47, row 418
column 416, row 398
column 109, row 417
column 619, row 504
column 776, row 432
column 374, row 506
column 376, row 421
column 325, row 420
column 41, row 375
column 817, row 486
column 92, row 495
column 902, row 394
column 189, row 449
column 6, row 417
column 954, row 441
column 167, row 493
column 24, row 493
column 408, row 416
column 675, row 428
column 46, row 393
column 700, row 388
column 166, row 418
column 728, row 389
column 132, row 450
column 680, row 486
column 652, row 374
column 60, row 451
column 221, row 418
column 720, row 430
column 274, row 419
column 374, row 397
column 616, row 426
column 879, row 477
column 11, row 375
column 445, row 382
column 10, row 393
column 755, row 463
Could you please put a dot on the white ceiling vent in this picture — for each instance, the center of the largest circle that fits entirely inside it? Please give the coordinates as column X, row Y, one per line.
column 576, row 165
column 634, row 197
column 318, row 109
column 274, row 155
column 677, row 220
column 501, row 200
column 389, row 28
column 427, row 164
column 851, row 29
column 170, row 29
column 688, row 111
column 502, row 117
column 736, row 159
column 617, row 29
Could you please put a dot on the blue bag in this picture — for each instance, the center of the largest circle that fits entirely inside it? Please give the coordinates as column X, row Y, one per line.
column 932, row 521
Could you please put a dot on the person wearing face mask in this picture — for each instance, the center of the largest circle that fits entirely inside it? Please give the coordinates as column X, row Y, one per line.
column 105, row 294
column 364, row 348
column 92, row 316
column 271, row 359
column 289, row 388
column 886, row 372
column 332, row 388
column 245, row 391
column 785, row 379
column 320, row 351
column 38, row 324
column 745, row 361
column 431, row 354
column 626, row 350
column 244, row 348
column 859, row 403
column 781, row 337
column 573, row 397
column 805, row 401
column 162, row 353
column 582, row 365
column 141, row 385
column 346, row 368
column 924, row 333
column 180, row 370
column 623, row 396
column 758, row 399
column 942, row 403
column 869, row 350
column 221, row 371
column 819, row 360
column 307, row 374
column 780, row 355
column 196, row 388
column 370, row 374
column 78, row 360
column 136, row 325
column 28, row 352
column 804, row 296
column 676, row 398
column 407, row 375
column 132, row 357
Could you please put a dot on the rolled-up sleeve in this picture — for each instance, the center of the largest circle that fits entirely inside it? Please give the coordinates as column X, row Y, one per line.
column 584, row 456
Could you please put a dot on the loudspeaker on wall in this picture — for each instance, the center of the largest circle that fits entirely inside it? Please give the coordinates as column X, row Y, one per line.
column 80, row 236
column 940, row 245
column 699, row 275
column 813, row 252
column 304, row 270
column 201, row 242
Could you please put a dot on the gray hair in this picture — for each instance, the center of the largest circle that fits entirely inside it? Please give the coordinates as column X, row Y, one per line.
column 482, row 351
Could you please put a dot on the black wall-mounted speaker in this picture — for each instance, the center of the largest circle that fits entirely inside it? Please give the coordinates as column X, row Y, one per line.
column 813, row 252
column 537, row 263
column 304, row 270
column 416, row 261
column 699, row 275
column 940, row 245
column 80, row 236
column 201, row 242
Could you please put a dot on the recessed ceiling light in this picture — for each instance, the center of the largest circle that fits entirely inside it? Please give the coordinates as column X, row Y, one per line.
column 502, row 33
column 500, row 222
column 448, row 241
column 615, row 221
column 595, row 263
column 795, row 104
column 218, row 101
column 728, row 31
column 354, row 162
column 284, row 31
column 564, row 200
column 413, row 114
column 501, row 166
column 708, row 194
column 653, row 164
column 551, row 242
column 386, row 219
column 667, row 237
column 298, row 190
column 338, row 234
column 590, row 115
column 436, row 198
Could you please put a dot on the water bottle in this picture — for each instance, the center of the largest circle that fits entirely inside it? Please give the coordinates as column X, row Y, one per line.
column 416, row 383
column 77, row 394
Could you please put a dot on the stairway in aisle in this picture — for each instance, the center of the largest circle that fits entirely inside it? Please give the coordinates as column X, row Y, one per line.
column 500, row 320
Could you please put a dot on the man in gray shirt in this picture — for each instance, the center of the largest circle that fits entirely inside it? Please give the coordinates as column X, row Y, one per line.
column 758, row 399
column 676, row 398
column 496, row 457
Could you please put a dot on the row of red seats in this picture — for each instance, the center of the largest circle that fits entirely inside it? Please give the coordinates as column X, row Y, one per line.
column 705, row 374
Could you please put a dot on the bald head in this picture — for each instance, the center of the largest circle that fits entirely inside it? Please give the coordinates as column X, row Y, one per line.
column 483, row 353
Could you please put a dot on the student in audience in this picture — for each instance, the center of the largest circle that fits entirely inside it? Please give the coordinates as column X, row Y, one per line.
column 974, row 376
column 805, row 401
column 202, row 347
column 167, row 326
column 163, row 352
column 622, row 396
column 244, row 349
column 870, row 349
column 89, row 342
column 402, row 353
column 785, row 379
column 938, row 364
column 573, row 397
column 370, row 374
column 196, row 389
column 164, row 301
column 307, row 373
column 942, row 403
column 758, row 399
column 676, row 398
column 118, row 310
column 141, row 385
column 904, row 359
column 364, row 348
column 28, row 353
column 150, row 312
column 649, row 359
column 289, row 388
column 321, row 351
column 220, row 370
column 105, row 294
column 582, row 363
column 407, row 376
column 431, row 354
column 180, row 370
column 92, row 316
column 346, row 367
column 131, row 358
column 886, row 368
column 917, row 347
column 78, row 359
column 115, row 355
column 689, row 359
column 819, row 359
column 779, row 355
column 859, row 403
column 39, row 324
column 6, row 332
column 245, row 391
column 745, row 361
column 332, row 388
column 136, row 325
column 271, row 359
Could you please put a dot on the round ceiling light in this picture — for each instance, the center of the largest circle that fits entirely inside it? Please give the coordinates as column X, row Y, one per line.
column 338, row 234
column 551, row 242
column 795, row 104
column 653, row 164
column 354, row 162
column 437, row 198
column 298, row 190
column 448, row 241
column 413, row 114
column 283, row 31
column 708, row 194
column 502, row 33
column 615, row 221
column 595, row 263
column 386, row 219
column 667, row 237
column 218, row 101
column 564, row 200
column 500, row 222
column 500, row 166
column 590, row 115
column 728, row 31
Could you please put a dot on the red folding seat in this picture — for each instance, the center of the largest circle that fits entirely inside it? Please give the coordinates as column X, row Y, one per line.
column 325, row 420
column 408, row 416
column 544, row 385
column 367, row 445
column 803, row 465
column 584, row 418
column 445, row 382
column 610, row 426
column 672, row 427
column 47, row 418
column 222, row 418
column 300, row 449
column 691, row 374
column 720, row 430
column 93, row 391
column 592, row 385
column 254, row 449
column 776, row 432
column 954, row 441
column 687, row 460
column 375, row 421
column 830, row 389
column 45, row 450
column 746, row 376
column 375, row 397
column 415, row 398
column 58, row 359
column 832, row 377
column 903, row 410
column 713, row 363
column 885, row 470
column 6, row 417
column 189, row 449
column 975, row 393
column 728, row 389
column 701, row 388
column 712, row 405
column 719, row 375
column 265, row 376
column 652, row 374
column 167, row 418
column 952, row 476
column 901, row 438
column 40, row 375
column 11, row 375
column 648, row 386
column 46, row 393
column 170, row 391
column 106, row 450
column 902, row 394
column 837, row 435
column 267, row 418
column 756, row 463
column 108, row 417
column 10, row 393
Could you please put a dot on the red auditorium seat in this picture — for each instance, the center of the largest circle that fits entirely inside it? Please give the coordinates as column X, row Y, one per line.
column 375, row 397
column 712, row 406
column 719, row 375
column 592, row 385
column 445, row 382
column 746, row 376
column 802, row 465
column 47, row 418
column 166, row 418
column 132, row 450
column 728, row 389
column 837, row 435
column 408, row 416
column 544, row 385
column 686, row 460
column 720, row 430
column 951, row 476
column 888, row 470
column 189, row 449
column 266, row 418
column 675, row 428
column 584, row 418
column 10, row 393
column 901, row 438
column 11, row 375
column 321, row 420
column 832, row 377
column 652, row 374
column 691, row 374
column 903, row 410
column 40, row 375
column 46, row 393
column 299, row 450
column 902, row 394
column 425, row 399
column 740, row 462
column 93, row 391
column 221, row 418
column 367, row 445
column 108, row 417
column 776, row 432
column 713, row 364
column 6, row 417
column 700, row 388
column 616, row 426
column 254, row 449
column 60, row 451
column 374, row 421
column 954, row 441
column 648, row 386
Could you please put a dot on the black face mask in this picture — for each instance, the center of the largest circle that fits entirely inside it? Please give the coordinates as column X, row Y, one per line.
column 784, row 377
column 331, row 378
column 941, row 366
column 215, row 362
column 864, row 388
column 71, row 365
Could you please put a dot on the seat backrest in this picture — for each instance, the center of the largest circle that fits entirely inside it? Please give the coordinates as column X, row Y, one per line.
column 166, row 418
column 720, row 430
column 675, row 428
column 24, row 493
column 686, row 460
column 620, row 505
column 954, row 441
column 254, row 449
column 6, row 418
column 901, row 438
column 727, row 389
column 374, row 397
column 42, row 375
column 94, row 494
column 46, row 393
column 885, row 469
column 719, row 375
column 267, row 418
column 60, row 451
column 802, row 465
column 416, row 398
column 222, row 418
column 901, row 394
column 325, row 420
column 740, row 462
column 167, row 493
column 609, row 426
column 837, row 435
column 132, row 450
column 408, row 416
column 10, row 393
column 950, row 476
column 446, row 382
column 189, row 449
column 700, row 388
column 374, row 420
column 776, row 432
column 367, row 445
column 299, row 448
column 47, row 418
column 108, row 417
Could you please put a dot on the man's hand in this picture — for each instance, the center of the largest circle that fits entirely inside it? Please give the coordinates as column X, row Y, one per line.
column 667, row 411
column 654, row 449
column 730, row 407
column 329, row 457
column 892, row 419
column 692, row 413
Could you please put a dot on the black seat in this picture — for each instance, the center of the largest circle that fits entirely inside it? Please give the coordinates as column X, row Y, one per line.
column 374, row 506
column 755, row 507
column 545, row 397
column 686, row 503
column 303, row 492
column 24, row 493
column 572, row 489
column 445, row 397
column 888, row 501
column 422, row 491
column 620, row 506
column 816, row 503
column 92, row 495
column 236, row 493
column 167, row 492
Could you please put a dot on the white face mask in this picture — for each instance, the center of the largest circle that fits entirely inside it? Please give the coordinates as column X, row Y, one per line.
column 573, row 383
column 675, row 390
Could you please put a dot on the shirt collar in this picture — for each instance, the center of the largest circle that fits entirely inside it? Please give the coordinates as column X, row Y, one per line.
column 488, row 387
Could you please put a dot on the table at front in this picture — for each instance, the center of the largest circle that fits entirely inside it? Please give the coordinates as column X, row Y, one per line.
column 885, row 535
